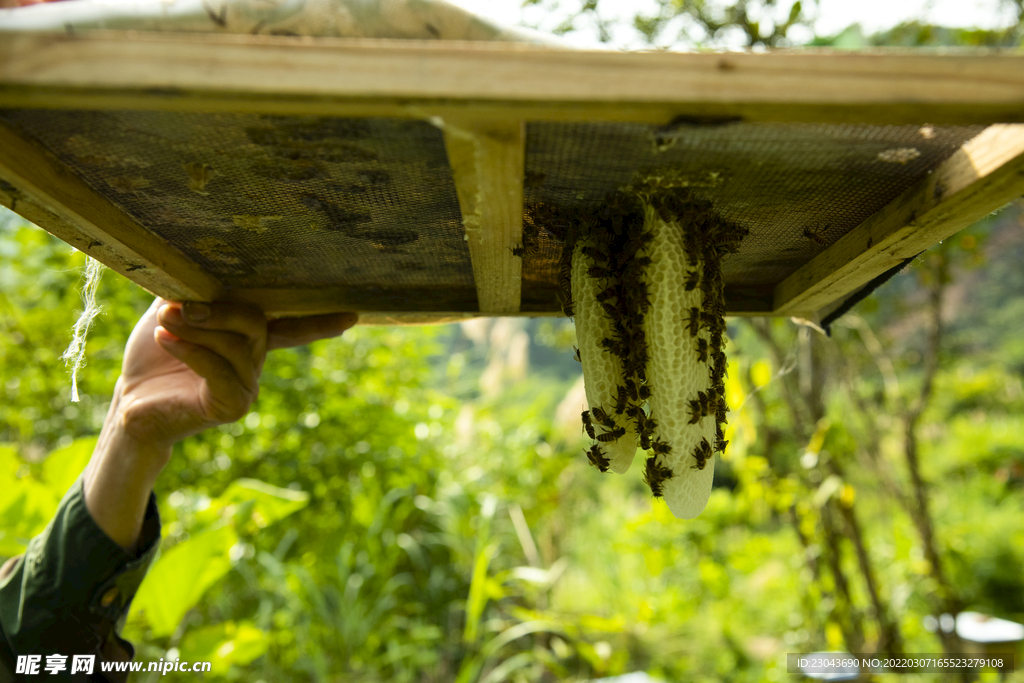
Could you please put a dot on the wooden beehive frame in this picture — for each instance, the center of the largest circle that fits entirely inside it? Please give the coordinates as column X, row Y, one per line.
column 481, row 94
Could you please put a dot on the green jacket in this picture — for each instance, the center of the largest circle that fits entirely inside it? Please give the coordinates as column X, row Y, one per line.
column 69, row 592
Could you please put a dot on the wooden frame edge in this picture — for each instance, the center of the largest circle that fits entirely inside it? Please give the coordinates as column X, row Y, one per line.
column 981, row 177
column 39, row 187
column 276, row 74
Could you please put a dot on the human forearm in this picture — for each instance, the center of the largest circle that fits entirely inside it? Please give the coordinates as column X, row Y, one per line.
column 120, row 477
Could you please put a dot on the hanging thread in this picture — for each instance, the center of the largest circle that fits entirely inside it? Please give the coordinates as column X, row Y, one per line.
column 74, row 357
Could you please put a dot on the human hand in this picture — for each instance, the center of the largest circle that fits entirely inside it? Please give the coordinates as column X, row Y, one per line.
column 188, row 367
column 181, row 375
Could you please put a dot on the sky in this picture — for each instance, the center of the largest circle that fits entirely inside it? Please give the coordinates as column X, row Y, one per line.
column 833, row 15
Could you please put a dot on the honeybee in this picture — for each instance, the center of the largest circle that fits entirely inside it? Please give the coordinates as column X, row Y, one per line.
column 599, row 272
column 576, row 354
column 721, row 366
column 612, row 435
column 650, row 424
column 602, row 417
column 565, row 270
column 635, row 242
column 620, row 400
column 645, row 441
column 630, row 386
column 588, row 426
column 597, row 458
column 660, row 447
column 643, row 302
column 720, row 445
column 692, row 279
column 702, row 350
column 715, row 306
column 644, row 392
column 633, row 317
column 693, row 322
column 697, row 411
column 816, row 236
column 518, row 251
column 595, row 254
column 565, row 263
column 715, row 339
column 606, row 294
column 721, row 409
column 702, row 453
column 565, row 301
column 634, row 268
column 655, row 475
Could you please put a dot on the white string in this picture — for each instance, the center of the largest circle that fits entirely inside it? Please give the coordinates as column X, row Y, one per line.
column 74, row 357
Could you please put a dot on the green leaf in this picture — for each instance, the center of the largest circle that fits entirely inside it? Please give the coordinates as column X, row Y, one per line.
column 27, row 509
column 63, row 466
column 9, row 462
column 271, row 503
column 477, row 599
column 794, row 12
column 513, row 663
column 179, row 578
column 9, row 545
column 224, row 644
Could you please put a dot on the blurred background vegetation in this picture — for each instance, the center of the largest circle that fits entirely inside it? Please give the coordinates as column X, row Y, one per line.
column 414, row 504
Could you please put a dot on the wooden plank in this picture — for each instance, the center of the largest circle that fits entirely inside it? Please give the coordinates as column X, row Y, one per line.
column 337, row 298
column 984, row 175
column 656, row 113
column 455, row 306
column 443, row 318
column 487, row 164
column 500, row 81
column 420, row 318
column 41, row 188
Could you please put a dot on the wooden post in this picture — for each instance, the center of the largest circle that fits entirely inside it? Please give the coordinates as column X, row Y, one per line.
column 487, row 164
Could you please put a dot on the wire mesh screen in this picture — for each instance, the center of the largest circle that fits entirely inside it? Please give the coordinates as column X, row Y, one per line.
column 797, row 187
column 370, row 204
column 271, row 202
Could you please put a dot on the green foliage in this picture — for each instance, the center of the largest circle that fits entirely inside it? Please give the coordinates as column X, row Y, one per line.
column 697, row 23
column 918, row 34
column 178, row 580
column 224, row 645
column 33, row 491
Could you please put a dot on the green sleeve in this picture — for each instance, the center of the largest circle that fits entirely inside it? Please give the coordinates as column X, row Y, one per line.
column 72, row 587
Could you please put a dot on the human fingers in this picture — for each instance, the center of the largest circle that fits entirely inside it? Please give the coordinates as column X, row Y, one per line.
column 244, row 354
column 284, row 333
column 142, row 355
column 228, row 398
column 242, row 319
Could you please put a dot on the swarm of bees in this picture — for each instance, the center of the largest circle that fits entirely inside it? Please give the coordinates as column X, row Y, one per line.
column 641, row 275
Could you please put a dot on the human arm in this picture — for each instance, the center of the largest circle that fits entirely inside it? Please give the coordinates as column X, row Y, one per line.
column 77, row 578
column 186, row 368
